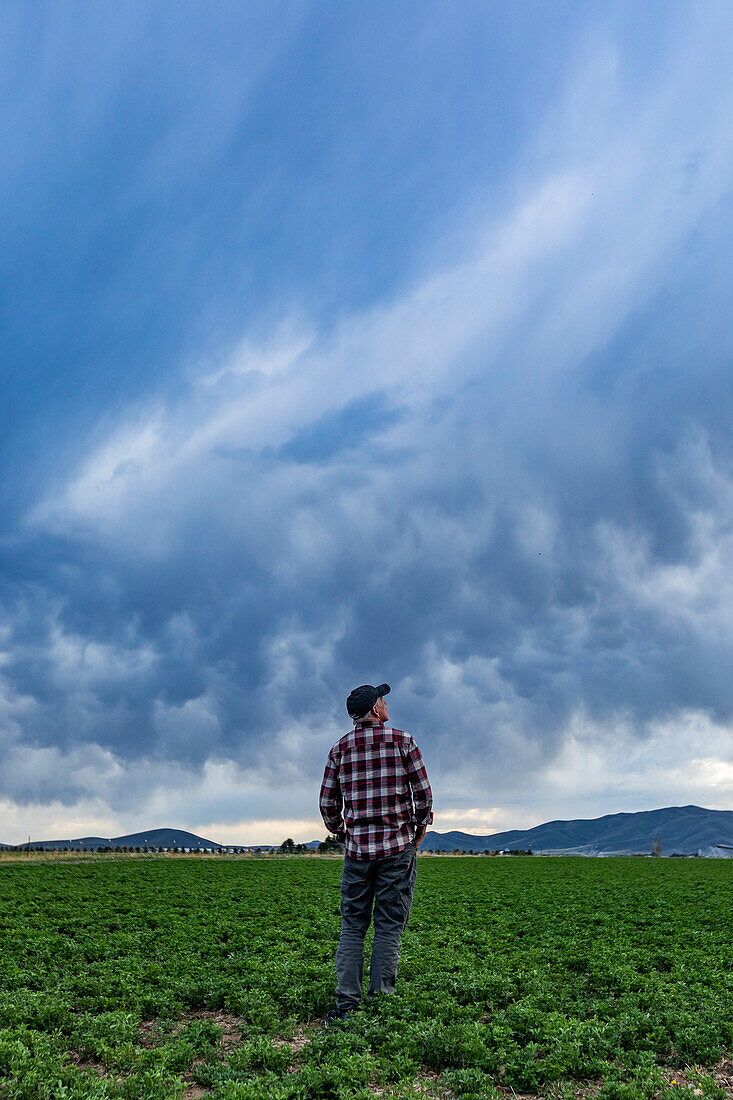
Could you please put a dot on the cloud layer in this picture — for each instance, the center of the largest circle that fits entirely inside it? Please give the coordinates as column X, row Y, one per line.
column 500, row 479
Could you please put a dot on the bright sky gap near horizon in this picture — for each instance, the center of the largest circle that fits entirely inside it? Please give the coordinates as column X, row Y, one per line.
column 364, row 343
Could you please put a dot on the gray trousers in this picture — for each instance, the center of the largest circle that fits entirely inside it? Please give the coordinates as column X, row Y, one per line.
column 388, row 884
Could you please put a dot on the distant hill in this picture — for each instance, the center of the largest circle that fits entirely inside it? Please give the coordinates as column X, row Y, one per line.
column 153, row 838
column 684, row 830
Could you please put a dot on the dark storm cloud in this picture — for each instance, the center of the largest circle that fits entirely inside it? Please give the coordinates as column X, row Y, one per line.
column 503, row 556
column 504, row 486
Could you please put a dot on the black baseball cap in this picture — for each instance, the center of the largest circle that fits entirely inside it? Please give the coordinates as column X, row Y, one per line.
column 363, row 698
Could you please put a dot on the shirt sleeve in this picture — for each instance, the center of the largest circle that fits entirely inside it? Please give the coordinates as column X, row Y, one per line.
column 331, row 800
column 422, row 795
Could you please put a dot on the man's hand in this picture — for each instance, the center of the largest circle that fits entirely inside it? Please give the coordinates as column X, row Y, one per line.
column 420, row 835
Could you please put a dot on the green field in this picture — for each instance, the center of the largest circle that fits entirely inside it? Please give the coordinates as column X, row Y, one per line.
column 159, row 978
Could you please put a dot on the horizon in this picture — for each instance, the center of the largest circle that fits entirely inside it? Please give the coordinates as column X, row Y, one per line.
column 312, row 839
column 387, row 347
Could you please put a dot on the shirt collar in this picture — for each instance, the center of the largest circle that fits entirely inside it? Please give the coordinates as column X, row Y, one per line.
column 373, row 722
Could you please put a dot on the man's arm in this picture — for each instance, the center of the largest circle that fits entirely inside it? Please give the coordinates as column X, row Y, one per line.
column 422, row 795
column 331, row 800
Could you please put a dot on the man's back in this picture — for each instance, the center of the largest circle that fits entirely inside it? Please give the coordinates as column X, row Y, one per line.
column 376, row 776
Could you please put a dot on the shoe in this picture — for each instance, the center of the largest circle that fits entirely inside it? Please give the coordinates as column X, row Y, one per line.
column 337, row 1015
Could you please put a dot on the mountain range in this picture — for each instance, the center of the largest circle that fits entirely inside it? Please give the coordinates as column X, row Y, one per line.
column 682, row 830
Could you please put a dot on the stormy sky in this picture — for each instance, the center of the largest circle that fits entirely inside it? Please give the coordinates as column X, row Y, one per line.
column 351, row 344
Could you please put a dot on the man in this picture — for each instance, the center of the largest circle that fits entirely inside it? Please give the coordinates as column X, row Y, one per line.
column 375, row 797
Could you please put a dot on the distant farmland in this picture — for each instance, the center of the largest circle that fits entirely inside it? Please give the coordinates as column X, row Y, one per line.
column 160, row 978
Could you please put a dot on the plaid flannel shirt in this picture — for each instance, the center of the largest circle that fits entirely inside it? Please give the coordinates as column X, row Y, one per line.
column 375, row 790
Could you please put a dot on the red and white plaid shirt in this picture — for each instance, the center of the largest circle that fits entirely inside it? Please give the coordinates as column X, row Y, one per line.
column 375, row 790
